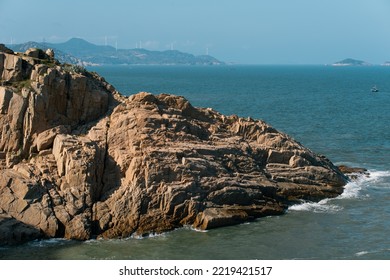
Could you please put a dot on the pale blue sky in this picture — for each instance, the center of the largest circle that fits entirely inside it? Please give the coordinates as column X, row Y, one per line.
column 241, row 31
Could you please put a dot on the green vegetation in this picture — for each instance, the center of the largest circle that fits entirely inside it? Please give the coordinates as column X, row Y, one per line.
column 19, row 85
column 71, row 68
column 49, row 62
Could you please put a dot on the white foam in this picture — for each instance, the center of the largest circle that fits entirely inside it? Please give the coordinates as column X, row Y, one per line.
column 322, row 206
column 199, row 230
column 149, row 235
column 377, row 176
column 351, row 191
column 378, row 251
column 48, row 242
column 362, row 253
column 353, row 188
column 195, row 229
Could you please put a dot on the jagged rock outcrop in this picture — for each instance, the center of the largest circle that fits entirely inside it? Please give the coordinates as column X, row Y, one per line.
column 78, row 160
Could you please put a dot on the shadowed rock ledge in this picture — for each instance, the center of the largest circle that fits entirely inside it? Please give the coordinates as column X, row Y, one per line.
column 78, row 160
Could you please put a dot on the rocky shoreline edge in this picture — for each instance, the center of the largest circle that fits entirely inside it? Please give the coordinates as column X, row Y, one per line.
column 78, row 160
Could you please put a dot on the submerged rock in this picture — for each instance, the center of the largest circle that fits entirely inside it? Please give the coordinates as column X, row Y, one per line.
column 352, row 170
column 78, row 160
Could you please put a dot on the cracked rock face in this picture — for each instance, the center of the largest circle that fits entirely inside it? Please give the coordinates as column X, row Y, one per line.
column 78, row 160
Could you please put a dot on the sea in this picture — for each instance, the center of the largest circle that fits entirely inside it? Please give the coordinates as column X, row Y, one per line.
column 330, row 110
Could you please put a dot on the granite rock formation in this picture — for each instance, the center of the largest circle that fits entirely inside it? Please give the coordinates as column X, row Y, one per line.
column 79, row 160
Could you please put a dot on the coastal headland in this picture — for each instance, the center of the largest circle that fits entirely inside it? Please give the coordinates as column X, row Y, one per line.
column 78, row 160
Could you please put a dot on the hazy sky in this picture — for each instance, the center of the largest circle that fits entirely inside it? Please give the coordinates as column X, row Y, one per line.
column 241, row 31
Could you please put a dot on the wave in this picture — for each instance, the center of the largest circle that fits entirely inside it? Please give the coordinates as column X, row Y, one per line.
column 316, row 207
column 197, row 229
column 381, row 252
column 49, row 242
column 377, row 176
column 362, row 253
column 352, row 190
column 148, row 235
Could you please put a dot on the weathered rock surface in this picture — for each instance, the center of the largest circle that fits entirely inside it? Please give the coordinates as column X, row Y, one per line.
column 78, row 160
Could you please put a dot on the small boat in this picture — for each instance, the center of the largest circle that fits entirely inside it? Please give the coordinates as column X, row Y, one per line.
column 374, row 89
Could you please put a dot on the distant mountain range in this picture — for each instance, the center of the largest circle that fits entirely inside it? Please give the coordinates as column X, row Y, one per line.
column 79, row 51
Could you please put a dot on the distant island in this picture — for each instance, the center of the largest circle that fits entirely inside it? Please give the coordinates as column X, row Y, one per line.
column 82, row 52
column 351, row 62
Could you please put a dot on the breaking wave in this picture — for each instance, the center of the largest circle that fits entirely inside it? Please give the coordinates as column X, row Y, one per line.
column 316, row 207
column 149, row 235
column 353, row 190
column 384, row 251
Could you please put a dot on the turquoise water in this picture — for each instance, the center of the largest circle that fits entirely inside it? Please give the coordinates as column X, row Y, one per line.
column 331, row 110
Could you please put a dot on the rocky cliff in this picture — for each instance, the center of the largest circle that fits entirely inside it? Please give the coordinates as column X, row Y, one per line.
column 78, row 160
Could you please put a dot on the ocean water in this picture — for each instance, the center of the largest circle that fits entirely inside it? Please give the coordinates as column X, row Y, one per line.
column 331, row 110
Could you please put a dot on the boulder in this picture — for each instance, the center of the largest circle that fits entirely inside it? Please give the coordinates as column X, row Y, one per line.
column 217, row 217
column 50, row 53
column 11, row 67
column 79, row 228
column 353, row 172
column 349, row 170
column 45, row 139
column 5, row 98
column 4, row 49
column 25, row 199
column 13, row 232
column 36, row 53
